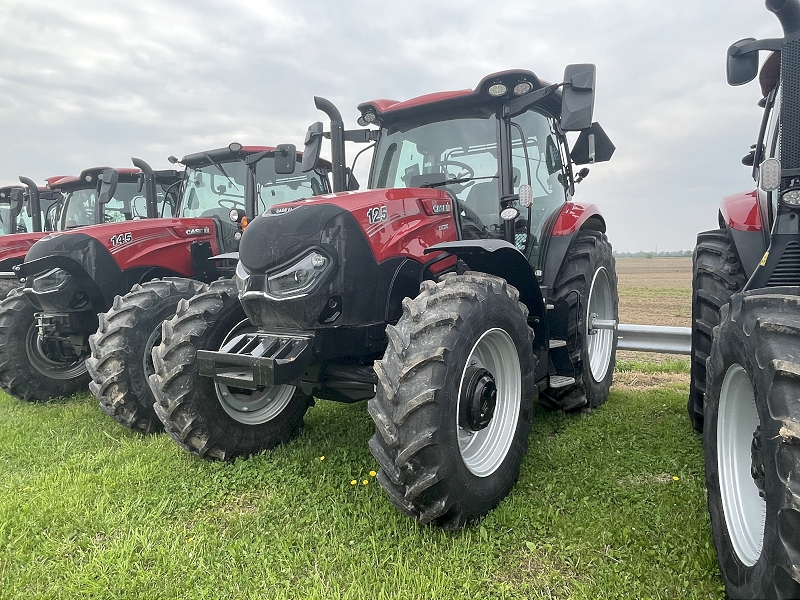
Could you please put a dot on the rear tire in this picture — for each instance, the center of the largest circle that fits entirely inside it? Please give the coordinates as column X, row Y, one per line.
column 752, row 444
column 210, row 420
column 121, row 359
column 717, row 273
column 25, row 371
column 587, row 281
column 436, row 468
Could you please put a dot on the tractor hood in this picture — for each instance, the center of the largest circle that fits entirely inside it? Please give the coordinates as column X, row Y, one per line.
column 140, row 243
column 393, row 222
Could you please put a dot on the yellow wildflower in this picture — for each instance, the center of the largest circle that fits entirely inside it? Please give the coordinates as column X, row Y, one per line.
column 353, row 482
column 365, row 482
column 372, row 473
column 675, row 478
column 322, row 458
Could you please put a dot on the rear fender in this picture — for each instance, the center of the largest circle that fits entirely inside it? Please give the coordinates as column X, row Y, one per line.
column 740, row 214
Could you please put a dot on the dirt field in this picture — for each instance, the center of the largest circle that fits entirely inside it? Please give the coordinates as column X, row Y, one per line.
column 654, row 291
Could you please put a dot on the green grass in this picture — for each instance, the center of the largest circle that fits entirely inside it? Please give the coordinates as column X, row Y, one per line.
column 608, row 505
column 671, row 365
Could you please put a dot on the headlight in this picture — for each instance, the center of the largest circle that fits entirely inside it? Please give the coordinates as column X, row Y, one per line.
column 791, row 198
column 51, row 280
column 299, row 277
column 241, row 277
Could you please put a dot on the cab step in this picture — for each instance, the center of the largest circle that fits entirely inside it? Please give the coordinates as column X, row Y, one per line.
column 557, row 343
column 560, row 381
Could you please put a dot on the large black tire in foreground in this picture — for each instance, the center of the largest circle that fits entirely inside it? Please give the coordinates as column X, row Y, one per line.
column 121, row 359
column 717, row 274
column 752, row 443
column 7, row 286
column 25, row 370
column 209, row 420
column 587, row 281
column 454, row 402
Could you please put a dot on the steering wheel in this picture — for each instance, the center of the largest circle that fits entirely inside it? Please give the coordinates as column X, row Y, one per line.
column 470, row 172
column 228, row 204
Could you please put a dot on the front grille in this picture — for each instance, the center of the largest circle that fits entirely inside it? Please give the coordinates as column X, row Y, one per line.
column 787, row 271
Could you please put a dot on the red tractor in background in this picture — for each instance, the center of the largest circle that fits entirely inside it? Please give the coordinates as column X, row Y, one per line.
column 24, row 217
column 462, row 284
column 745, row 386
column 72, row 276
column 220, row 191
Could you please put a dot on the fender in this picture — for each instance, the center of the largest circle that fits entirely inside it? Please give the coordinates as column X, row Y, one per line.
column 740, row 215
column 499, row 257
column 572, row 217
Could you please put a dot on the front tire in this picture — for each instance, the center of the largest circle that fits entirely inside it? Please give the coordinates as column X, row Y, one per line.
column 121, row 359
column 211, row 420
column 450, row 445
column 717, row 274
column 587, row 282
column 26, row 372
column 752, row 444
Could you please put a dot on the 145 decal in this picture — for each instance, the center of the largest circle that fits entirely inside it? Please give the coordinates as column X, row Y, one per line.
column 377, row 214
column 121, row 238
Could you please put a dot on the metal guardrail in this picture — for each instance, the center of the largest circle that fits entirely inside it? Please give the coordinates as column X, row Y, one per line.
column 654, row 338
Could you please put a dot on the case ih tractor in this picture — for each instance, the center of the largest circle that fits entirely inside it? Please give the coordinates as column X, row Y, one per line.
column 67, row 273
column 220, row 190
column 73, row 276
column 451, row 293
column 26, row 213
column 745, row 392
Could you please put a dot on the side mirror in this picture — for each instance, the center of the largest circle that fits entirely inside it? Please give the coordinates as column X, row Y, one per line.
column 769, row 174
column 741, row 67
column 286, row 159
column 313, row 147
column 17, row 196
column 577, row 97
column 592, row 146
column 108, row 186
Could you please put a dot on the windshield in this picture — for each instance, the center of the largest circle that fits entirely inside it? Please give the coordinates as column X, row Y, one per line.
column 208, row 192
column 459, row 155
column 128, row 203
column 274, row 189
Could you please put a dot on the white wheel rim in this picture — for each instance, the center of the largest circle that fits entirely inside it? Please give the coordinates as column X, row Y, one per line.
column 600, row 344
column 484, row 451
column 252, row 407
column 744, row 510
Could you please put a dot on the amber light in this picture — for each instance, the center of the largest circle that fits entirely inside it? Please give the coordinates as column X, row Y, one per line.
column 244, row 223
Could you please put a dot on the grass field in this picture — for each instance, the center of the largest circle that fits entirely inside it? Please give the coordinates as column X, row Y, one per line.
column 609, row 505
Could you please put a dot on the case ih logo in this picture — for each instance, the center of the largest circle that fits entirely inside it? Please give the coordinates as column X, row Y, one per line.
column 441, row 208
column 198, row 231
column 282, row 209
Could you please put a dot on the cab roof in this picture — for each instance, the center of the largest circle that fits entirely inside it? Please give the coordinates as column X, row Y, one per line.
column 511, row 80
column 199, row 159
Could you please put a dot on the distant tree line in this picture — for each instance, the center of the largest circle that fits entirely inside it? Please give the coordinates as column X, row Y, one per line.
column 643, row 254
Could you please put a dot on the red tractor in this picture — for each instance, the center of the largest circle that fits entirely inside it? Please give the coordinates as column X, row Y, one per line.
column 460, row 285
column 73, row 276
column 221, row 190
column 745, row 387
column 26, row 214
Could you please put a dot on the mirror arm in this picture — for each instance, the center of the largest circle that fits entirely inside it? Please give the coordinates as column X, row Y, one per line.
column 361, row 136
column 519, row 105
column 770, row 44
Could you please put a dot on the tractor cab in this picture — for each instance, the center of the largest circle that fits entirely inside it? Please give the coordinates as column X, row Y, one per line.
column 228, row 184
column 23, row 209
column 128, row 200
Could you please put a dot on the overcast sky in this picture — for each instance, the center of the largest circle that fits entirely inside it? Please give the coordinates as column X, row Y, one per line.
column 86, row 83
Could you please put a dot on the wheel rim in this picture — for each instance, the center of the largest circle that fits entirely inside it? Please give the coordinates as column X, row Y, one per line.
column 252, row 407
column 600, row 343
column 744, row 510
column 52, row 369
column 484, row 451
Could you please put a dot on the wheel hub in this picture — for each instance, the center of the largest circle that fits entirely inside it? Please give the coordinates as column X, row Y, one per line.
column 478, row 399
column 757, row 470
